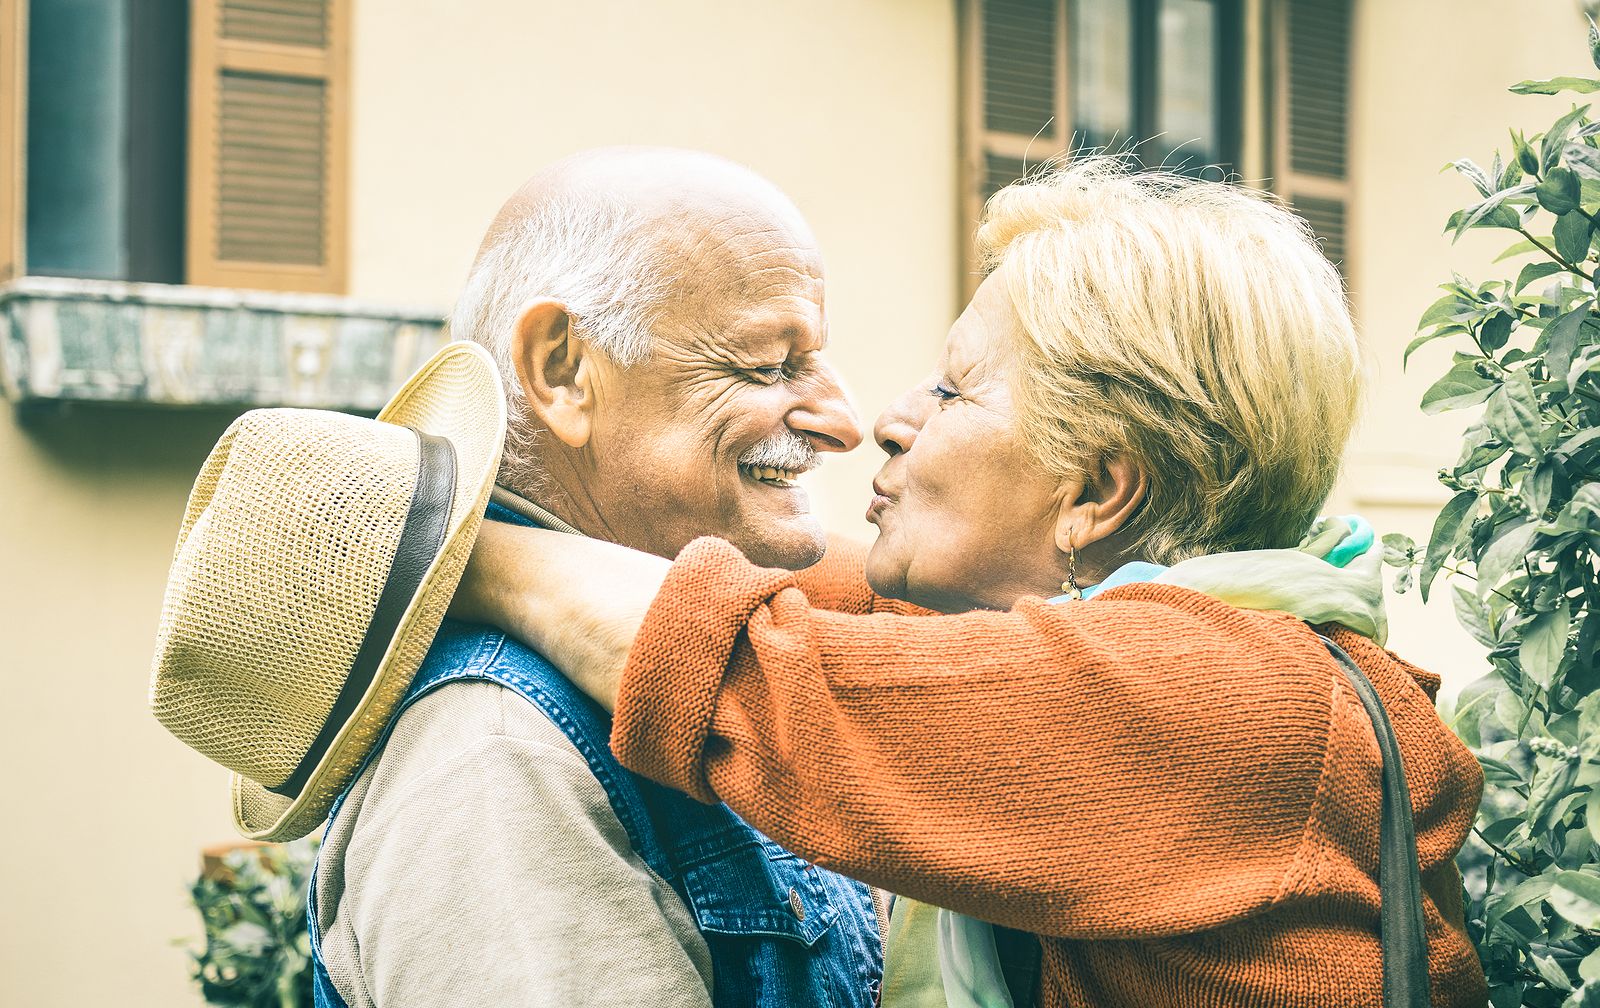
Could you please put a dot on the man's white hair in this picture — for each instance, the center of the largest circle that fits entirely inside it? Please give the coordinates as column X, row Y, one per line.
column 593, row 255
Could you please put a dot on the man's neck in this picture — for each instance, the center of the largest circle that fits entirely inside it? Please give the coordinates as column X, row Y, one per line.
column 518, row 504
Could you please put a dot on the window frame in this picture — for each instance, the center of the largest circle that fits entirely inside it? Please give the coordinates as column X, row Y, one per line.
column 978, row 141
column 13, row 91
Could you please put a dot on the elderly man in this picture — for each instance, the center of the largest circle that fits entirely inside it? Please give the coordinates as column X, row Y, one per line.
column 658, row 319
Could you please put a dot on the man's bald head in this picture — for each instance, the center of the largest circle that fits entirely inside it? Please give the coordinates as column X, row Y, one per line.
column 661, row 185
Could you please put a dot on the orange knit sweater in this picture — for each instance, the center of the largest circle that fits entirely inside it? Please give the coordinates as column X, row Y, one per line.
column 1181, row 798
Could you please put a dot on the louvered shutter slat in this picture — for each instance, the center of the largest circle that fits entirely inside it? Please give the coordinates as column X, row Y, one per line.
column 266, row 150
column 1019, row 65
column 1314, row 50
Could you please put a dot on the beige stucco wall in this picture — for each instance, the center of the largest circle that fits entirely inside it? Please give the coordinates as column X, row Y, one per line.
column 1430, row 86
column 847, row 104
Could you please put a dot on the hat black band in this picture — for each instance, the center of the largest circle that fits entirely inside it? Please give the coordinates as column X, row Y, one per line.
column 421, row 539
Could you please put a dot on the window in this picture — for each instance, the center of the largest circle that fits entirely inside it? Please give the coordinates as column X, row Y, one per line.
column 180, row 141
column 1045, row 76
column 1311, row 121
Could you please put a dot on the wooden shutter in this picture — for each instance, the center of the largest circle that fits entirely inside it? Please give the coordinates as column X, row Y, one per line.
column 267, row 144
column 13, row 46
column 1312, row 116
column 1014, row 101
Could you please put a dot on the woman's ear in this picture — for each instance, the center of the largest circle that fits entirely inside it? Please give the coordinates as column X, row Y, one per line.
column 554, row 370
column 1096, row 509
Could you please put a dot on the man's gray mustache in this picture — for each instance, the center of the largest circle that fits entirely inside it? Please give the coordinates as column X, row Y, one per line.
column 787, row 451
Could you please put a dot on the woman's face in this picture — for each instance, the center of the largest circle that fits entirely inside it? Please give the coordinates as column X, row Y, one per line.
column 966, row 518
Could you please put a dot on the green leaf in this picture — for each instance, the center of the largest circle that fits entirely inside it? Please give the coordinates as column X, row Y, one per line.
column 1461, row 386
column 1446, row 533
column 1520, row 895
column 1575, row 895
column 1495, row 330
column 1556, row 136
column 1591, row 818
column 1548, row 798
column 1544, row 642
column 1572, row 234
column 1446, row 309
column 1578, row 440
column 1538, row 485
column 1589, row 969
column 1560, row 192
column 1513, row 414
column 1556, row 85
column 1582, row 159
column 1548, row 968
column 1429, row 337
column 1520, row 248
column 1561, row 338
column 1481, row 213
column 1477, row 176
column 1473, row 616
column 1587, row 361
column 1535, row 271
column 1504, row 554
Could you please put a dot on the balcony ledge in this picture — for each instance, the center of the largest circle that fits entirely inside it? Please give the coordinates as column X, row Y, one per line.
column 68, row 340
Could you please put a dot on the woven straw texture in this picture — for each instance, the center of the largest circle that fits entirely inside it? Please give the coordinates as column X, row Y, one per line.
column 285, row 547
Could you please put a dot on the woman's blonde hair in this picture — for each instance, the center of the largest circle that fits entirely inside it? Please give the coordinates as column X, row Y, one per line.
column 1192, row 326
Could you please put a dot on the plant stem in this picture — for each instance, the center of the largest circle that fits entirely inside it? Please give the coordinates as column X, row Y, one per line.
column 1553, row 254
column 1505, row 855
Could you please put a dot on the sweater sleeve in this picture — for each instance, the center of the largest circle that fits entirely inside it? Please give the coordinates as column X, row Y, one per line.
column 838, row 582
column 1141, row 764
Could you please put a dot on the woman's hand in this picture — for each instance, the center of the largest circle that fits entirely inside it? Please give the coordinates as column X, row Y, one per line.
column 577, row 601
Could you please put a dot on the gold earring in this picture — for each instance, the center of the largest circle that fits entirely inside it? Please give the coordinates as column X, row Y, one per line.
column 1069, row 587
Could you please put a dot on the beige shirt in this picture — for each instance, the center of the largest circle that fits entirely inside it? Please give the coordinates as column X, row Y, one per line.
column 478, row 862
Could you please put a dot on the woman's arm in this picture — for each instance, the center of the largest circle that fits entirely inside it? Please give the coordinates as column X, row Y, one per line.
column 1140, row 764
column 578, row 601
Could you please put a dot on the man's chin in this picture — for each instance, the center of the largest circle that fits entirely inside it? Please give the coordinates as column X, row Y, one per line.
column 792, row 542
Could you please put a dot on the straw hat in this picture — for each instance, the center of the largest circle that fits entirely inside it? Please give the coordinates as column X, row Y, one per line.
column 316, row 559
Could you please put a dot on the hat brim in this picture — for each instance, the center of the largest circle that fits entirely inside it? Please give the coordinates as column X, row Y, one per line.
column 457, row 396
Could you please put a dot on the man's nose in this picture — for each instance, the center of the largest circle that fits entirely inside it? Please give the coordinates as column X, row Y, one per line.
column 899, row 423
column 825, row 416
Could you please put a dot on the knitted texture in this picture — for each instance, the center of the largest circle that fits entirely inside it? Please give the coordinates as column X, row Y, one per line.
column 1181, row 798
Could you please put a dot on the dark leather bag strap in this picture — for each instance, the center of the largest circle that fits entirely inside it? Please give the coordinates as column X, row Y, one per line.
column 1405, row 942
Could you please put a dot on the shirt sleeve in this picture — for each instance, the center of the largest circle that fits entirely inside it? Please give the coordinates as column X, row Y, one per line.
column 503, row 877
column 1140, row 764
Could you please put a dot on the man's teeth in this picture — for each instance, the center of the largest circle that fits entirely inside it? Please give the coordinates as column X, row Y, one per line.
column 772, row 475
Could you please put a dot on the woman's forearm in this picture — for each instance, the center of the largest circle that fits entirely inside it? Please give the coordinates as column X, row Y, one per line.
column 577, row 601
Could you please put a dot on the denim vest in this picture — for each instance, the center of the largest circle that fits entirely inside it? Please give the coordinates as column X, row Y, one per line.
column 782, row 932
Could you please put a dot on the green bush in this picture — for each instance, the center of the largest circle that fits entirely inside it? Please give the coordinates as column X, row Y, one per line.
column 257, row 952
column 1520, row 543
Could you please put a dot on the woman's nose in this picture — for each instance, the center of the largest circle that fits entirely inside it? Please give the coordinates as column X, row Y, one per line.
column 898, row 424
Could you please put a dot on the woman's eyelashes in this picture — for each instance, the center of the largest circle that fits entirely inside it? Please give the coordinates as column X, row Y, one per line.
column 944, row 390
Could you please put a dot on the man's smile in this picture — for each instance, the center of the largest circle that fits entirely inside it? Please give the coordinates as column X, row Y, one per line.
column 770, row 476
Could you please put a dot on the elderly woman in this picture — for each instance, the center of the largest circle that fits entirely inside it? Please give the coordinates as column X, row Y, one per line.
column 1179, row 796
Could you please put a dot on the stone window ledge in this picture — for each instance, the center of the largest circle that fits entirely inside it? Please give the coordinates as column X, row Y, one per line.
column 69, row 340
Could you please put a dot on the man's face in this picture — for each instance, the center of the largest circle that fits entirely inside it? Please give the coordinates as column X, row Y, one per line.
column 706, row 436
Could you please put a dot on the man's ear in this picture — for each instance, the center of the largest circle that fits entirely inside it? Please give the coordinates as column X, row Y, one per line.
column 555, row 371
column 1097, row 509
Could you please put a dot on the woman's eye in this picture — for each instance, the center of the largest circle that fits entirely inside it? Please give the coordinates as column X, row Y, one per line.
column 943, row 392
